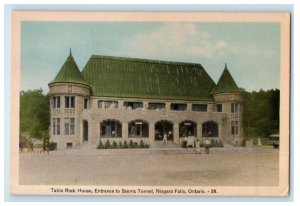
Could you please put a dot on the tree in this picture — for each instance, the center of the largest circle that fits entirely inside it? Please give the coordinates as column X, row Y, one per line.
column 261, row 113
column 34, row 113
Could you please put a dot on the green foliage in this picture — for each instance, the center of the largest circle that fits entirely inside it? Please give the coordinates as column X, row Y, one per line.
column 121, row 145
column 34, row 113
column 261, row 113
column 131, row 144
column 107, row 144
column 52, row 146
column 125, row 145
column 100, row 145
column 142, row 144
column 243, row 142
column 114, row 145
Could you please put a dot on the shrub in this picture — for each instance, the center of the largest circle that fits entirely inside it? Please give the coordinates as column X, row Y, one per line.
column 142, row 144
column 52, row 146
column 243, row 143
column 121, row 145
column 100, row 145
column 131, row 144
column 125, row 145
column 107, row 145
column 114, row 145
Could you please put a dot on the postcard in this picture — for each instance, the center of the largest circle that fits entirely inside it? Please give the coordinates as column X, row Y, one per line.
column 150, row 103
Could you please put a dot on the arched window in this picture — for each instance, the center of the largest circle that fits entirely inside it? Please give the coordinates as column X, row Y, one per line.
column 138, row 128
column 210, row 129
column 164, row 127
column 187, row 128
column 111, row 128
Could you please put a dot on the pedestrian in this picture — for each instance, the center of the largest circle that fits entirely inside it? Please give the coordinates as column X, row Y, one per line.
column 198, row 147
column 207, row 146
column 165, row 138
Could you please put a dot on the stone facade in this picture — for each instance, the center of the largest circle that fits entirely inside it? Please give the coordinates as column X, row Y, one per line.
column 94, row 116
column 77, row 116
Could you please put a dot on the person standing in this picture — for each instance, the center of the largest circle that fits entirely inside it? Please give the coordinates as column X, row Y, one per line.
column 165, row 138
column 207, row 146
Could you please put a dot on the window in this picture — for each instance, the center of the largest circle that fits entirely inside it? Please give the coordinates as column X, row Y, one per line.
column 56, row 126
column 178, row 107
column 217, row 108
column 111, row 104
column 234, row 128
column 234, row 108
column 69, row 144
column 111, row 128
column 133, row 105
column 156, row 106
column 199, row 107
column 187, row 128
column 138, row 128
column 69, row 126
column 210, row 129
column 55, row 102
column 85, row 103
column 69, row 102
column 100, row 104
column 108, row 104
column 163, row 127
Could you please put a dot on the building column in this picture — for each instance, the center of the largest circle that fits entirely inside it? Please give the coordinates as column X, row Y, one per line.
column 93, row 130
column 151, row 133
column 124, row 130
column 199, row 131
column 176, row 133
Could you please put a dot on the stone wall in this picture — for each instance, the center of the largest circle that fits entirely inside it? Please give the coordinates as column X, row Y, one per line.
column 94, row 116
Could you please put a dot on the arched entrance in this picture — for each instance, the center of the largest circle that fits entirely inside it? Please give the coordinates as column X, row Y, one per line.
column 85, row 130
column 210, row 129
column 164, row 127
column 188, row 128
column 111, row 128
column 138, row 128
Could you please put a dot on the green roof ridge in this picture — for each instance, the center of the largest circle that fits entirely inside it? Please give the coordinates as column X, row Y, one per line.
column 69, row 72
column 143, row 78
column 226, row 83
column 143, row 60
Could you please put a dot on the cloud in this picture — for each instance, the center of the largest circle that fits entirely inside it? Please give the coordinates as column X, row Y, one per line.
column 174, row 39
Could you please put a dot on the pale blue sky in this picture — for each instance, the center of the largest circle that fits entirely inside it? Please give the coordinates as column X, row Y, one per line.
column 251, row 50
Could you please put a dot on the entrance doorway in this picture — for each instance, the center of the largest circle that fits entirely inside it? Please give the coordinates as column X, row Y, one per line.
column 85, row 130
column 164, row 127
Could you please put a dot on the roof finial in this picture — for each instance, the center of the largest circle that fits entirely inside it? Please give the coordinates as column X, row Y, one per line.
column 225, row 65
column 70, row 52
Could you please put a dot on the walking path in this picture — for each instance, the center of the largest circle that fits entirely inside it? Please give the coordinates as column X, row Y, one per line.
column 90, row 150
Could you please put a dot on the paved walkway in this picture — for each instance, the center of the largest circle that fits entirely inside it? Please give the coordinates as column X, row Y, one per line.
column 88, row 149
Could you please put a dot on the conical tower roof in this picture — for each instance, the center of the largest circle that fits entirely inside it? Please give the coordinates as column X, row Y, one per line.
column 69, row 72
column 226, row 83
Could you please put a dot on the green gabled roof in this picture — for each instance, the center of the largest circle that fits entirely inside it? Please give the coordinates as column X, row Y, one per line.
column 140, row 78
column 69, row 72
column 226, row 83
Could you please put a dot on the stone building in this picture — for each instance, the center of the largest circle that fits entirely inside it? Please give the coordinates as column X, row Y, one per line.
column 137, row 99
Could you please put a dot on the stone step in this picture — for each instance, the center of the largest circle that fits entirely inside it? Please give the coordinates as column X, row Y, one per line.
column 86, row 146
column 161, row 144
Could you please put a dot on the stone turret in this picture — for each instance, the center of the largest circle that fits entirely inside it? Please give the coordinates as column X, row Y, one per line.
column 227, row 93
column 69, row 95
